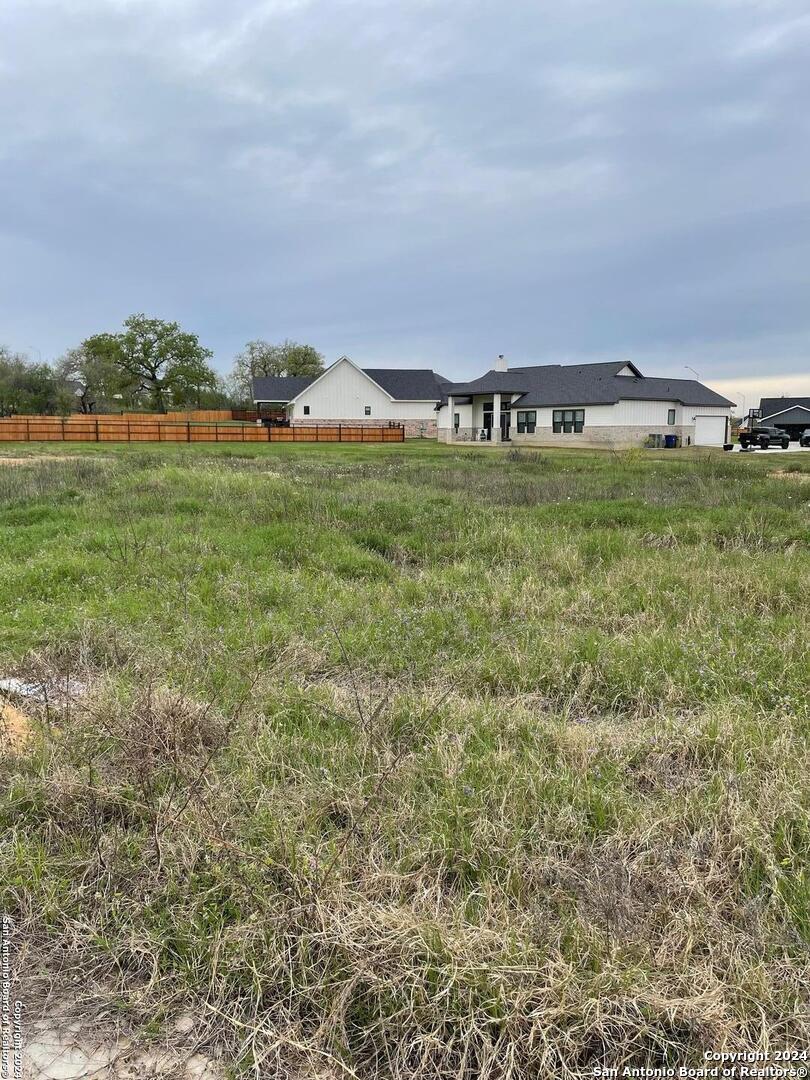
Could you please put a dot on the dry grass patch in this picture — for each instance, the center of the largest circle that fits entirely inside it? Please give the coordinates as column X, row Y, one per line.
column 378, row 786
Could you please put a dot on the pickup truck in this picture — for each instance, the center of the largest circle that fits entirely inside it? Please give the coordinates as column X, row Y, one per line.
column 764, row 437
column 804, row 438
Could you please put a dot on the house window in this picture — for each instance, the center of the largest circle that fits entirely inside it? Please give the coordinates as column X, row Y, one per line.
column 306, row 410
column 456, row 420
column 568, row 420
column 671, row 416
column 526, row 422
column 367, row 410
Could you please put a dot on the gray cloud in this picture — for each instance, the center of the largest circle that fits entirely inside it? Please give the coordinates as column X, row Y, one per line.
column 427, row 182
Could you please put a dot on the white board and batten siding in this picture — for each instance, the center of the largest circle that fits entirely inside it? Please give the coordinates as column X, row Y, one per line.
column 652, row 414
column 708, row 423
column 629, row 413
column 344, row 391
column 625, row 413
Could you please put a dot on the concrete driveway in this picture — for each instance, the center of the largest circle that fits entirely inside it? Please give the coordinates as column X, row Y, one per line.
column 794, row 449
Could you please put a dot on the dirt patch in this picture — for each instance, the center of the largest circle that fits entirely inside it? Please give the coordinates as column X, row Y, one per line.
column 797, row 477
column 35, row 459
column 67, row 1049
column 15, row 726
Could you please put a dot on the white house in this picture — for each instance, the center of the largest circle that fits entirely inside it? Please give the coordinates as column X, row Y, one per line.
column 346, row 393
column 610, row 404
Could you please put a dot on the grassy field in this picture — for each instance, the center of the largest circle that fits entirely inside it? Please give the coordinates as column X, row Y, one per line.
column 412, row 761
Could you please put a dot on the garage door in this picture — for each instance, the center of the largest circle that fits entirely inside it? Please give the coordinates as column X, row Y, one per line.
column 710, row 430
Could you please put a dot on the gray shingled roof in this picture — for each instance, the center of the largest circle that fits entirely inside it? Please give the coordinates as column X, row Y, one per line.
column 279, row 387
column 403, row 384
column 798, row 414
column 585, row 384
column 774, row 406
column 409, row 384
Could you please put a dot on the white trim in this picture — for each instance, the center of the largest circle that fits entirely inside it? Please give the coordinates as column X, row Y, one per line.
column 340, row 360
column 405, row 401
column 789, row 408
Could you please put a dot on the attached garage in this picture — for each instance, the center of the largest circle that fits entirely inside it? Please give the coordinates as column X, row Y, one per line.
column 711, row 430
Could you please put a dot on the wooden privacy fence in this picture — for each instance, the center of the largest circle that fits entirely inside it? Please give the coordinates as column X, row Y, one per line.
column 120, row 429
column 196, row 416
column 336, row 433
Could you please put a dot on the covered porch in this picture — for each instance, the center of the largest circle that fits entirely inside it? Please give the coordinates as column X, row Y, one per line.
column 480, row 417
column 273, row 412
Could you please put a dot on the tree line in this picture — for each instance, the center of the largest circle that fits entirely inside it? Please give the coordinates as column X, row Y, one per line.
column 150, row 365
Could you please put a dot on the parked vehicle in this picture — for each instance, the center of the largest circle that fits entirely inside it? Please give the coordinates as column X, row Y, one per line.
column 764, row 437
column 804, row 438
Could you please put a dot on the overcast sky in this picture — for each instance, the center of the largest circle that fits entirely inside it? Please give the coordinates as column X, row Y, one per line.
column 421, row 182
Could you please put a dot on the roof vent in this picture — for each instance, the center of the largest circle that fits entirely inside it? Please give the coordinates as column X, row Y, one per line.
column 500, row 363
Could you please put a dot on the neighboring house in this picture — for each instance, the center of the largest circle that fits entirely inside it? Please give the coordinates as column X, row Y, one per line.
column 609, row 404
column 346, row 393
column 792, row 414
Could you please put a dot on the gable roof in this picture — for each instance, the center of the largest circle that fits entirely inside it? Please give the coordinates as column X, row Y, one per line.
column 771, row 407
column 401, row 384
column 797, row 414
column 586, row 384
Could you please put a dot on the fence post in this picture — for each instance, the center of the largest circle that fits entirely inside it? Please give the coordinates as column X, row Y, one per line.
column 188, row 431
column 63, row 429
column 27, row 430
column 340, row 432
column 129, row 433
column 96, row 429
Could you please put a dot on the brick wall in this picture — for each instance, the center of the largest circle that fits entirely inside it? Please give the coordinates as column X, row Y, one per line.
column 615, row 436
column 414, row 429
column 618, row 436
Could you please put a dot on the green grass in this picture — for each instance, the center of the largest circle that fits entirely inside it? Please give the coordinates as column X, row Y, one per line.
column 412, row 760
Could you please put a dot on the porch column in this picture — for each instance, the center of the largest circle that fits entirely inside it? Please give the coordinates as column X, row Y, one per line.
column 450, row 406
column 496, row 418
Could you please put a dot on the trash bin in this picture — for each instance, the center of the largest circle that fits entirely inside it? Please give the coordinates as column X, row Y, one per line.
column 670, row 441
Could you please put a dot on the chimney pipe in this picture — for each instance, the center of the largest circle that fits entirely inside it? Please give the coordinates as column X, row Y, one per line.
column 500, row 363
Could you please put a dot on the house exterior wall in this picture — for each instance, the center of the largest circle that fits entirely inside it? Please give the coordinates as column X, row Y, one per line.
column 691, row 411
column 471, row 419
column 625, row 424
column 465, row 416
column 618, row 436
column 342, row 394
column 414, row 429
